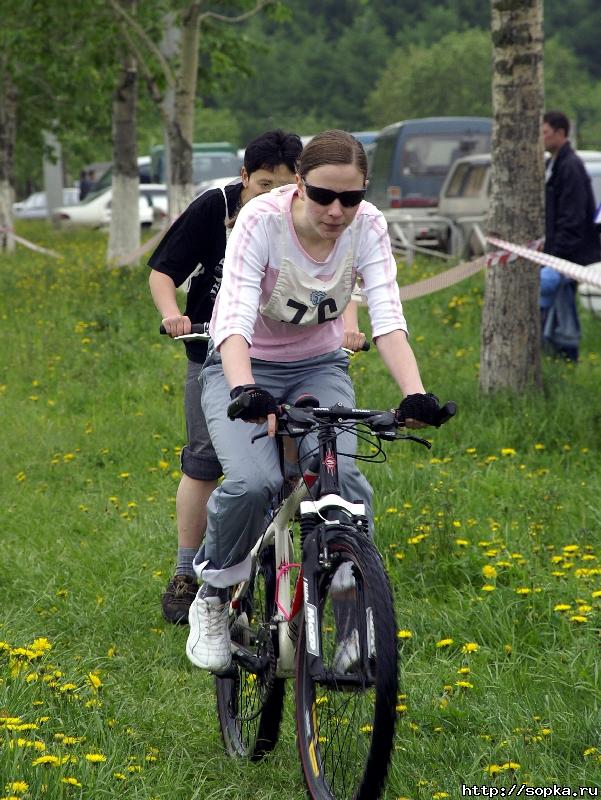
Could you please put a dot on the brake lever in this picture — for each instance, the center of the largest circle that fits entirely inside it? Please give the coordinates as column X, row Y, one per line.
column 413, row 438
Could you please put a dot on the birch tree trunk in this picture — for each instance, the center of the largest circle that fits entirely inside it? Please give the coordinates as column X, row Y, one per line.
column 510, row 333
column 8, row 134
column 180, row 127
column 124, row 230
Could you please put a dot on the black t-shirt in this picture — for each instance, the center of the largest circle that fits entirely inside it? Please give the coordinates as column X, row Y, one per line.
column 196, row 240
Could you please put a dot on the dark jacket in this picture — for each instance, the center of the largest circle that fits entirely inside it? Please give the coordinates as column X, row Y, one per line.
column 570, row 208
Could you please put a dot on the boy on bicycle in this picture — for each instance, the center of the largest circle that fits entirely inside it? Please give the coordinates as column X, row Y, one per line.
column 191, row 254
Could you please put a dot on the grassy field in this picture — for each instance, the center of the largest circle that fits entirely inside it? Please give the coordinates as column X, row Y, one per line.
column 491, row 540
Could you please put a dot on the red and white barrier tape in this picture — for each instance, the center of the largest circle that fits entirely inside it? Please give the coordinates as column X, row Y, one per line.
column 505, row 256
column 590, row 274
column 26, row 243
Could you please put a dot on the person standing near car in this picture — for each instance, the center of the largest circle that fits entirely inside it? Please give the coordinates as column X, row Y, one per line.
column 570, row 233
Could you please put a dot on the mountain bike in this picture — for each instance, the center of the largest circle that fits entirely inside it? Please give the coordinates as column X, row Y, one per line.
column 326, row 620
column 318, row 608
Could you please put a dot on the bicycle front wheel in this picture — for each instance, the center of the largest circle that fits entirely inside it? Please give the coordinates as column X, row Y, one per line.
column 249, row 703
column 345, row 713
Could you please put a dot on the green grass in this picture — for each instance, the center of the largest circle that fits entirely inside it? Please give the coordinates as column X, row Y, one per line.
column 92, row 421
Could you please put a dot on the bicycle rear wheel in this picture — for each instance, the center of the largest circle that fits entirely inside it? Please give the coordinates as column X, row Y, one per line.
column 249, row 703
column 346, row 717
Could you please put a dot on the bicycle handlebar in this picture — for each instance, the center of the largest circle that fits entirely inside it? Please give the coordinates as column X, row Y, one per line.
column 295, row 421
column 200, row 330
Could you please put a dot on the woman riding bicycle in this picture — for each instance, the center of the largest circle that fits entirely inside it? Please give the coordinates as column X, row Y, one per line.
column 290, row 266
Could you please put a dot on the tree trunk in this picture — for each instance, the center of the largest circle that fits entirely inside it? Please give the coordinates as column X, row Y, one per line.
column 8, row 136
column 510, row 334
column 124, row 231
column 180, row 130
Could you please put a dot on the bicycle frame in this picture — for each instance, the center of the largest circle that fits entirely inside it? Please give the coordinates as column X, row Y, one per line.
column 291, row 604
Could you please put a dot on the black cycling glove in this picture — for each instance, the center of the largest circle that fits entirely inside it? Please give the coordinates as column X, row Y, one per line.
column 422, row 407
column 250, row 402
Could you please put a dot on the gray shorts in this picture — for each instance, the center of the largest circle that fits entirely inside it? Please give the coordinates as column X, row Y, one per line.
column 198, row 457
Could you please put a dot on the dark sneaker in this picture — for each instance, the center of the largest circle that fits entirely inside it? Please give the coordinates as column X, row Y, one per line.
column 177, row 599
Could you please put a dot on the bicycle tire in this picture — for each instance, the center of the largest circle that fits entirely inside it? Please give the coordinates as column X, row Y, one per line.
column 249, row 706
column 345, row 735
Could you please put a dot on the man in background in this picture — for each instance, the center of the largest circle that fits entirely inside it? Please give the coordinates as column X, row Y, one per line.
column 570, row 233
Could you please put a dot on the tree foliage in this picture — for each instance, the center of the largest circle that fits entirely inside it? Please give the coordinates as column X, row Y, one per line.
column 450, row 78
column 453, row 77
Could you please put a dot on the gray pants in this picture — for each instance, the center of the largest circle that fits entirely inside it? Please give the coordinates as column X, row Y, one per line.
column 238, row 507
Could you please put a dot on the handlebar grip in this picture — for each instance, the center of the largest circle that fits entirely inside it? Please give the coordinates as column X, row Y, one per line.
column 237, row 406
column 366, row 346
column 197, row 327
column 447, row 411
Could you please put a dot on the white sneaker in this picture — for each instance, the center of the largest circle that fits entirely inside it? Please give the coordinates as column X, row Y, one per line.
column 348, row 654
column 208, row 645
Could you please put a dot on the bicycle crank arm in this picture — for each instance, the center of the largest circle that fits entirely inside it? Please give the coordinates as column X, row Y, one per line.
column 249, row 661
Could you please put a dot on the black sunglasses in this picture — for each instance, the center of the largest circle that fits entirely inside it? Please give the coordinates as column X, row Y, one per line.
column 326, row 196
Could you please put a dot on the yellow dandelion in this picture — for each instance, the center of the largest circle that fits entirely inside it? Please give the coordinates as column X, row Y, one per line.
column 401, row 708
column 562, row 607
column 464, row 684
column 444, row 642
column 52, row 760
column 489, row 572
column 439, row 795
column 95, row 681
column 470, row 647
column 513, row 765
column 590, row 751
column 95, row 758
column 70, row 781
column 508, row 451
column 493, row 769
column 119, row 776
column 462, row 542
column 404, row 634
column 18, row 787
column 488, row 587
column 523, row 590
column 579, row 618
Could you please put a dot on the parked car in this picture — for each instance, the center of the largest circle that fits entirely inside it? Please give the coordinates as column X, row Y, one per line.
column 105, row 179
column 411, row 158
column 209, row 160
column 35, row 206
column 216, row 183
column 465, row 197
column 95, row 210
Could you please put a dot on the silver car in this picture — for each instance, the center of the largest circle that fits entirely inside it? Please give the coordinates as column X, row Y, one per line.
column 35, row 206
column 465, row 194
